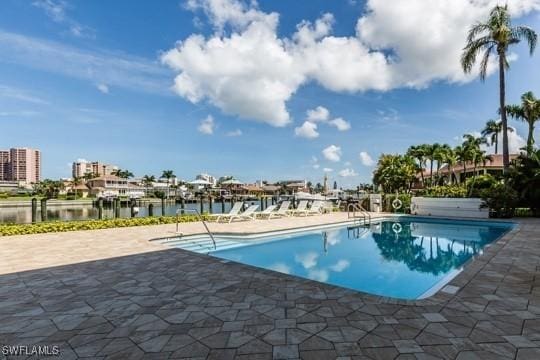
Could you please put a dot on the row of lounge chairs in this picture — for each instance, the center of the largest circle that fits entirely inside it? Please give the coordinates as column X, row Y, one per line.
column 271, row 212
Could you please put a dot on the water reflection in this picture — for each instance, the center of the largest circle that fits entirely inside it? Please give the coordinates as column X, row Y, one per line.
column 21, row 215
column 428, row 248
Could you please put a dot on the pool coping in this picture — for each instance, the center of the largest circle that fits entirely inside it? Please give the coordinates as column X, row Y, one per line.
column 469, row 269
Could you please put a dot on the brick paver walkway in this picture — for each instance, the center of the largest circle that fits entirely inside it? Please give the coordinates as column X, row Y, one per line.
column 175, row 304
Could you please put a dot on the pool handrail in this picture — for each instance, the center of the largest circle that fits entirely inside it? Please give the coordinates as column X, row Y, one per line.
column 202, row 220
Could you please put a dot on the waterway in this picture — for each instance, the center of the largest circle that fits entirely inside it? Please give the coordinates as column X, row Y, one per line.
column 22, row 215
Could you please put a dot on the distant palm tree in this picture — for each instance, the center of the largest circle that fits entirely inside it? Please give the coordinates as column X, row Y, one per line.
column 463, row 155
column 123, row 174
column 491, row 132
column 168, row 174
column 419, row 153
column 528, row 111
column 89, row 176
column 440, row 156
column 495, row 36
column 431, row 151
column 76, row 181
column 451, row 161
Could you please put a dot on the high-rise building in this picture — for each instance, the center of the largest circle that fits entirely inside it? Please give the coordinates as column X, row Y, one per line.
column 4, row 165
column 96, row 168
column 20, row 164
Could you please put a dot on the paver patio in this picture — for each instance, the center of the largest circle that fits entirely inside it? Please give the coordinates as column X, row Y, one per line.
column 154, row 302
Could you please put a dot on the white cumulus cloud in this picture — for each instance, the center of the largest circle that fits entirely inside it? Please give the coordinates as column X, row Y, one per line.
column 207, row 125
column 308, row 130
column 328, row 169
column 320, row 113
column 245, row 68
column 366, row 159
column 332, row 153
column 348, row 173
column 340, row 124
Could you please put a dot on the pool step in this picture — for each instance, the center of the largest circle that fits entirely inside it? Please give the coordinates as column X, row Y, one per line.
column 201, row 244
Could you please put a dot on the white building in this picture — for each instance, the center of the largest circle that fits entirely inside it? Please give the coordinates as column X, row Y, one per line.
column 208, row 178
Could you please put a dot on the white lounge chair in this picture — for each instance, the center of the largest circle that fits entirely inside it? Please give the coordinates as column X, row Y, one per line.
column 316, row 208
column 234, row 211
column 249, row 214
column 301, row 209
column 282, row 211
column 267, row 212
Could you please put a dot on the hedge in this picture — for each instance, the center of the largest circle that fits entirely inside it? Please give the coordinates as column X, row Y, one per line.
column 63, row 226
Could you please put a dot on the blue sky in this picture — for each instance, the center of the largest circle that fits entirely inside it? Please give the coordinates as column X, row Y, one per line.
column 96, row 80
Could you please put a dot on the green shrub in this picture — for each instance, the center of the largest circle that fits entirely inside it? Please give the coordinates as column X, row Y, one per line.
column 476, row 184
column 445, row 191
column 63, row 226
column 405, row 201
column 4, row 195
column 501, row 200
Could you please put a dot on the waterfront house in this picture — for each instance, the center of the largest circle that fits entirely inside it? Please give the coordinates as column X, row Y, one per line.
column 113, row 186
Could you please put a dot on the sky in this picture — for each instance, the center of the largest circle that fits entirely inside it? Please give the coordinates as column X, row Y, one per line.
column 266, row 90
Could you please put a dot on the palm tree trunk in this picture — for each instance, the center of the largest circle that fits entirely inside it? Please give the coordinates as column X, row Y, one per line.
column 431, row 172
column 530, row 139
column 422, row 173
column 506, row 156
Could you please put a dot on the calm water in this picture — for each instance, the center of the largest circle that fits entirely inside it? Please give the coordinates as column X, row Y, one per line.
column 404, row 260
column 22, row 215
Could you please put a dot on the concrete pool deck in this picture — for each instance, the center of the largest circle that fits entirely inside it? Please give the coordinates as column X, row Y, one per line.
column 113, row 294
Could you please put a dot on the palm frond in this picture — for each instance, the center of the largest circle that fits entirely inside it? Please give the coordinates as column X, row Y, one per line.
column 476, row 30
column 471, row 51
column 528, row 34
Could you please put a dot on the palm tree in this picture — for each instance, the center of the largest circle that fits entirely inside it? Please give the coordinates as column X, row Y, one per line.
column 168, row 174
column 123, row 174
column 440, row 156
column 148, row 181
column 451, row 161
column 463, row 155
column 492, row 130
column 528, row 111
column 419, row 153
column 76, row 181
column 89, row 176
column 431, row 150
column 495, row 36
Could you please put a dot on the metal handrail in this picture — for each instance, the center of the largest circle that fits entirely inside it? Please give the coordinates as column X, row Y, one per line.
column 202, row 220
column 352, row 207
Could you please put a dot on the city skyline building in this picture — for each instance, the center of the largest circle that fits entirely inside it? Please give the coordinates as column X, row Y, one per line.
column 20, row 164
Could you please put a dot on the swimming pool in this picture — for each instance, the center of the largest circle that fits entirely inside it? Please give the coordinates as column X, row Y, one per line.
column 405, row 258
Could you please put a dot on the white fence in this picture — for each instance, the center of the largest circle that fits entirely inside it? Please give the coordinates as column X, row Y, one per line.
column 452, row 207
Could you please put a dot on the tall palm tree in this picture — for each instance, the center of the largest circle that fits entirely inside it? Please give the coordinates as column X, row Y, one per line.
column 168, row 174
column 495, row 36
column 528, row 111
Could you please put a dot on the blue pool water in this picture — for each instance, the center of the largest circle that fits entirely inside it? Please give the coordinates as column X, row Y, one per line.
column 409, row 259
